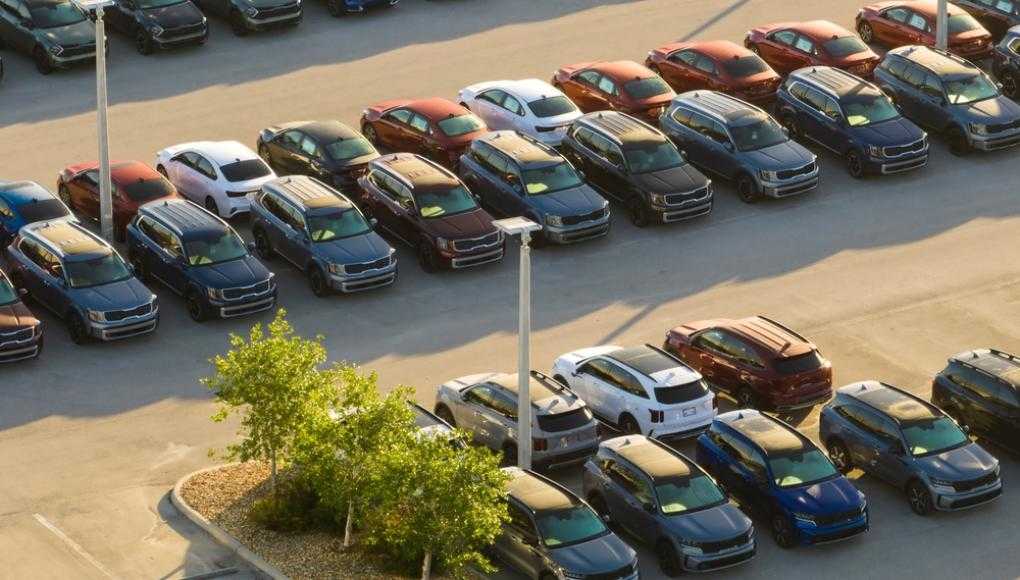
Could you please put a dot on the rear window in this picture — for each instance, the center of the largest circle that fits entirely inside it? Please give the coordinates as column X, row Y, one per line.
column 646, row 88
column 745, row 66
column 551, row 107
column 681, row 393
column 462, row 125
column 844, row 46
column 42, row 210
column 245, row 170
column 565, row 421
column 799, row 364
column 148, row 189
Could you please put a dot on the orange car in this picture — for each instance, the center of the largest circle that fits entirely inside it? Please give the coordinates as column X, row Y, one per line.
column 904, row 22
column 623, row 85
column 715, row 65
column 435, row 128
column 788, row 46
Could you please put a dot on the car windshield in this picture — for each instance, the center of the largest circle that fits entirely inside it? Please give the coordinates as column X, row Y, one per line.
column 646, row 88
column 569, row 526
column 336, row 225
column 970, row 89
column 225, row 247
column 97, row 271
column 962, row 23
column 763, row 133
column 549, row 179
column 685, row 494
column 844, row 46
column 744, row 66
column 931, row 436
column 436, row 203
column 462, row 125
column 54, row 15
column 344, row 149
column 551, row 107
column 245, row 170
column 862, row 110
column 8, row 295
column 148, row 189
column 801, row 468
column 42, row 210
column 652, row 157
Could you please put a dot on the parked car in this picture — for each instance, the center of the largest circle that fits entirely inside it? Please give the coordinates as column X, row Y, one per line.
column 21, row 333
column 621, row 85
column 552, row 533
column 222, row 176
column 635, row 164
column 322, row 233
column 338, row 8
column 665, row 500
column 981, row 390
column 199, row 257
column 757, row 361
column 740, row 142
column 852, row 118
column 639, row 390
column 898, row 23
column 428, row 208
column 564, row 432
column 997, row 16
column 328, row 150
column 133, row 183
column 948, row 95
column 435, row 128
column 788, row 46
column 158, row 24
column 81, row 279
column 717, row 65
column 55, row 33
column 528, row 106
column 429, row 422
column 781, row 476
column 911, row 445
column 26, row 202
column 515, row 175
column 1006, row 63
column 247, row 16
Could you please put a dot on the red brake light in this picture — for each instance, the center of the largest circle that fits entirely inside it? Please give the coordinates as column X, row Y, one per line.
column 539, row 444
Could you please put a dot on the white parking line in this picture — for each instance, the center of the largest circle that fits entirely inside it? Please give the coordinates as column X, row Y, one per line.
column 73, row 545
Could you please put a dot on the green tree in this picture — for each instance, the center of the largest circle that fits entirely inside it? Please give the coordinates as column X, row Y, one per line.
column 273, row 381
column 439, row 503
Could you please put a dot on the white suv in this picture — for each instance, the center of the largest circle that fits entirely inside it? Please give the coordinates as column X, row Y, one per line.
column 639, row 390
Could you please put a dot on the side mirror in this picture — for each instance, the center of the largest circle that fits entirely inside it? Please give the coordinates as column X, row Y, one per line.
column 648, row 506
column 250, row 246
column 965, row 428
column 373, row 222
column 22, row 292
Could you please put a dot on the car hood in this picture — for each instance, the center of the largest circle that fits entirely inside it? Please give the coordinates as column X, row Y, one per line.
column 363, row 248
column 471, row 224
column 180, row 14
column 786, row 155
column 998, row 110
column 603, row 554
column 83, row 32
column 123, row 295
column 710, row 525
column 827, row 497
column 233, row 274
column 575, row 201
column 680, row 179
column 898, row 131
column 963, row 463
column 15, row 316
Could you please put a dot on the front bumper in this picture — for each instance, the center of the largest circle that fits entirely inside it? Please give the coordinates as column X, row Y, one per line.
column 995, row 141
column 889, row 166
column 459, row 261
column 577, row 233
column 720, row 560
column 687, row 209
column 370, row 280
column 266, row 22
column 110, row 331
column 814, row 534
column 164, row 43
column 69, row 61
column 13, row 350
column 244, row 305
column 955, row 501
column 789, row 187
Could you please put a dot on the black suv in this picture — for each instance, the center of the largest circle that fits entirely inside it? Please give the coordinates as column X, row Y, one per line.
column 254, row 15
column 159, row 24
column 1006, row 63
column 56, row 33
column 981, row 390
column 637, row 165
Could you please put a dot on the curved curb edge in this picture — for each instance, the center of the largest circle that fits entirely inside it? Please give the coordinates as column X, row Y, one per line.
column 218, row 533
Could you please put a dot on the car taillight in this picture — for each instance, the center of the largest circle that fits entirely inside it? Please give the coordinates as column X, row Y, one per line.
column 539, row 444
column 657, row 416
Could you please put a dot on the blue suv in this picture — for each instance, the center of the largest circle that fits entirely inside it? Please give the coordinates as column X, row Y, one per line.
column 662, row 498
column 198, row 256
column 83, row 280
column 951, row 96
column 515, row 175
column 740, row 142
column 26, row 202
column 323, row 234
column 910, row 444
column 852, row 118
column 779, row 474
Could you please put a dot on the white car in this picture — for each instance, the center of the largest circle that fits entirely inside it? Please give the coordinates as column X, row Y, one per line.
column 639, row 390
column 218, row 175
column 528, row 106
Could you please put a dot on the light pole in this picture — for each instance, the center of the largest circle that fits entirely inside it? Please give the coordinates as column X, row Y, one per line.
column 942, row 26
column 524, row 227
column 105, row 189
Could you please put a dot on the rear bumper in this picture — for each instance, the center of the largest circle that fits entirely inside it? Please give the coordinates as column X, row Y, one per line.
column 810, row 400
column 553, row 459
column 675, row 431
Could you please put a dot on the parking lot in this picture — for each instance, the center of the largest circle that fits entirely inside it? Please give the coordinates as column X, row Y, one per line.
column 888, row 276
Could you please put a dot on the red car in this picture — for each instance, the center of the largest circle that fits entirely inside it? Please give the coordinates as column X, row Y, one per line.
column 717, row 65
column 788, row 46
column 901, row 23
column 435, row 128
column 622, row 85
column 134, row 184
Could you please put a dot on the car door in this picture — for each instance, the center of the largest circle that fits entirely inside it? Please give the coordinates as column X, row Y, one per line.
column 518, row 543
column 750, row 475
column 712, row 152
column 609, row 157
column 607, row 94
column 85, row 193
column 489, row 106
column 778, row 51
column 418, row 135
column 37, row 278
column 585, row 159
column 22, row 38
column 680, row 72
column 393, row 129
column 595, row 382
column 863, row 438
column 582, row 88
column 707, row 73
column 396, row 208
column 917, row 29
column 803, row 54
column 625, row 394
column 909, row 100
column 513, row 114
column 169, row 265
column 512, row 184
column 188, row 176
column 829, row 124
column 629, row 500
column 1006, row 426
column 478, row 414
column 711, row 357
column 9, row 21
column 931, row 101
column 296, row 245
column 285, row 151
column 891, row 27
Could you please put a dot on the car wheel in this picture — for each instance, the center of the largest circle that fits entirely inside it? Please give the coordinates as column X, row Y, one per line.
column 840, row 456
column 64, row 194
column 210, row 204
column 264, row 152
column 782, row 532
column 369, row 132
column 76, row 329
column 629, row 426
column 747, row 399
column 162, row 171
column 854, row 165
column 919, row 498
column 509, row 455
column 43, row 64
column 317, row 282
column 143, row 43
column 958, row 144
column 747, row 189
column 638, row 213
column 335, row 9
column 196, row 308
column 237, row 24
column 141, row 271
column 1011, row 85
column 669, row 563
column 444, row 413
column 866, row 32
column 262, row 245
column 426, row 257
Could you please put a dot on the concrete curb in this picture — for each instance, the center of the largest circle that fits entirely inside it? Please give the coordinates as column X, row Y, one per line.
column 218, row 533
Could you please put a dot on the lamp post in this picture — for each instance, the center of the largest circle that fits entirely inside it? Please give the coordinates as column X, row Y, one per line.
column 105, row 189
column 524, row 227
column 942, row 26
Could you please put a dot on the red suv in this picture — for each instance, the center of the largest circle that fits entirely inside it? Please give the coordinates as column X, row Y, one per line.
column 757, row 361
column 436, row 128
column 716, row 65
column 905, row 22
column 623, row 85
column 789, row 46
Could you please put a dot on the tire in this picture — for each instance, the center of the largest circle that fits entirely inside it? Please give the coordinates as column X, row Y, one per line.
column 958, row 144
column 638, row 213
column 43, row 64
column 629, row 426
column 753, row 48
column 747, row 189
column 335, row 9
column 196, row 308
column 263, row 247
column 865, row 31
column 210, row 204
column 443, row 412
column 237, row 24
column 426, row 257
column 840, row 455
column 669, row 563
column 783, row 532
column 64, row 194
column 919, row 498
column 854, row 165
column 509, row 455
column 789, row 121
column 143, row 43
column 76, row 329
column 369, row 132
column 317, row 282
column 747, row 399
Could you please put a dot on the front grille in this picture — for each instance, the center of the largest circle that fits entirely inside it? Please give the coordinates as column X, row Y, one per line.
column 837, row 518
column 999, row 128
column 573, row 220
column 614, row 575
column 77, row 50
column 904, row 149
column 476, row 243
column 975, row 483
column 976, row 500
column 17, row 335
column 713, row 547
column 188, row 30
column 838, row 535
column 278, row 11
column 791, row 173
column 366, row 266
column 675, row 199
column 235, row 293
column 118, row 315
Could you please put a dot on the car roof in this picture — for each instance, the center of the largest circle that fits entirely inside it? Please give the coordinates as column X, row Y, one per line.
column 327, row 131
column 890, row 401
column 437, row 108
column 772, row 436
column 529, row 89
column 19, row 192
column 717, row 49
column 621, row 71
column 997, row 363
column 68, row 240
column 769, row 334
column 417, row 172
column 722, row 107
column 184, row 217
column 221, row 152
column 622, row 128
column 538, row 389
column 834, row 81
column 535, row 492
column 649, row 360
column 520, row 148
column 308, row 192
column 126, row 172
column 819, row 30
column 928, row 8
column 942, row 63
column 649, row 456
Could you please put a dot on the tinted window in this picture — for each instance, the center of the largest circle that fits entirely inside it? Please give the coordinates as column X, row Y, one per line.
column 420, row 124
column 687, row 57
column 551, row 178
column 742, row 352
column 918, row 22
column 804, row 45
column 344, row 149
column 462, row 125
column 636, row 485
column 225, row 247
column 625, row 381
column 42, row 210
column 962, row 23
column 645, row 88
column 651, row 157
column 766, row 132
column 597, row 368
column 787, row 37
column 606, row 85
column 683, row 116
column 245, row 170
column 970, row 89
column 897, row 14
column 309, row 147
column 434, row 203
column 520, row 521
column 681, row 393
column 680, row 495
column 931, row 436
column 148, row 189
column 54, row 15
column 744, row 66
column 401, row 115
column 8, row 295
column 914, row 75
column 569, row 526
column 513, row 105
column 862, row 110
column 844, row 46
column 799, row 364
column 565, row 421
column 590, row 77
column 801, row 468
column 552, row 106
column 95, row 272
column 706, row 64
column 340, row 224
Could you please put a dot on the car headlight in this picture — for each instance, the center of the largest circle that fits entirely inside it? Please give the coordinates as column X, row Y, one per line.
column 253, row 12
column 154, row 301
column 97, row 315
column 156, row 30
column 336, row 269
column 56, row 49
column 997, row 470
column 443, row 243
column 553, row 220
column 874, row 150
column 213, row 293
column 979, row 128
column 272, row 279
column 657, row 198
column 804, row 517
column 767, row 175
column 691, row 548
column 940, row 482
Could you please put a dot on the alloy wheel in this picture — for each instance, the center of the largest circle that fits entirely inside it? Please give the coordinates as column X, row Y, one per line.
column 262, row 245
column 76, row 329
column 854, row 165
column 42, row 61
column 1009, row 85
column 317, row 281
column 919, row 498
column 143, row 43
column 782, row 531
column 426, row 257
column 638, row 213
column 747, row 189
column 840, row 456
column 196, row 310
column 866, row 33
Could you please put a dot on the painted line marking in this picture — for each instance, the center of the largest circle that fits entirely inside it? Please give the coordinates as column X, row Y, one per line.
column 73, row 545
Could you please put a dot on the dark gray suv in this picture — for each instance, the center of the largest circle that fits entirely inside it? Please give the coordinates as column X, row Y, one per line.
column 56, row 33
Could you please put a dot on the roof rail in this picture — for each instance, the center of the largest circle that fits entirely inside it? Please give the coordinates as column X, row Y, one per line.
column 1005, row 355
column 549, row 381
column 666, row 353
column 784, row 327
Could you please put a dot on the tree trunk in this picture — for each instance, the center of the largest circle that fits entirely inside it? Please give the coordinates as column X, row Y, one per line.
column 349, row 524
column 426, row 567
column 272, row 478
